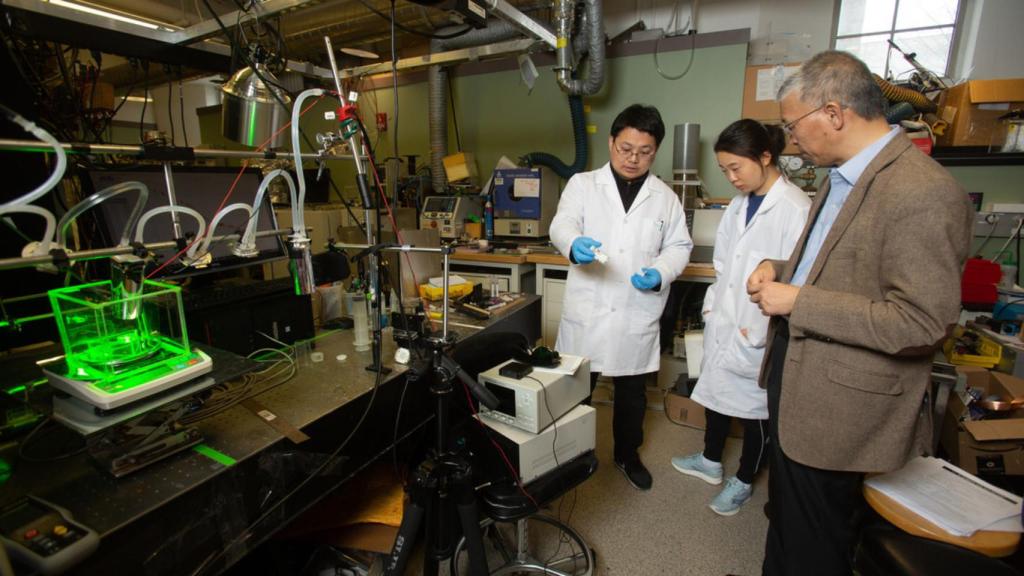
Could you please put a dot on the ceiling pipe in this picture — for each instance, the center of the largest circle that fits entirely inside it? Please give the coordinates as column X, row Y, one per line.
column 594, row 30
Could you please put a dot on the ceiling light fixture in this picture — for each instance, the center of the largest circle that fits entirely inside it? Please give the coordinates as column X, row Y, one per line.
column 106, row 14
column 365, row 54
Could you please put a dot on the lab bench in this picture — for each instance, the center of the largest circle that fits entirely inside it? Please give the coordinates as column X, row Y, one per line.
column 180, row 513
column 551, row 273
column 511, row 272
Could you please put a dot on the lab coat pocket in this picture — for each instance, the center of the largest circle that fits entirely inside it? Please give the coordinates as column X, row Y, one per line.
column 645, row 313
column 744, row 359
column 651, row 234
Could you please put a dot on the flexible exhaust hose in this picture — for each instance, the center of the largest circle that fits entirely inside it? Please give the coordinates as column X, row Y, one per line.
column 895, row 93
column 579, row 131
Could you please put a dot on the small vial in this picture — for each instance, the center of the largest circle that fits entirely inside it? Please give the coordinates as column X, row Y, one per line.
column 494, row 287
column 600, row 256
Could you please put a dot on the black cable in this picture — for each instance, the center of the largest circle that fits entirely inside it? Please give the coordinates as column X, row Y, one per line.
column 309, row 478
column 181, row 106
column 170, row 110
column 455, row 117
column 394, row 90
column 145, row 101
column 455, row 34
column 305, row 138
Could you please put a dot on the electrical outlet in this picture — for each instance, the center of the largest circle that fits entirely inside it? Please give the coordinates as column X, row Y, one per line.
column 998, row 224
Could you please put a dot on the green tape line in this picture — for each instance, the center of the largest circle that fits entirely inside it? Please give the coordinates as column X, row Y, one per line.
column 214, row 455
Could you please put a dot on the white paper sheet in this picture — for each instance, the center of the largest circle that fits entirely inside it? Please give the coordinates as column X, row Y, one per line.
column 950, row 497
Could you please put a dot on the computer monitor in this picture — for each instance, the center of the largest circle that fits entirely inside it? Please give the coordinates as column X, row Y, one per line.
column 201, row 188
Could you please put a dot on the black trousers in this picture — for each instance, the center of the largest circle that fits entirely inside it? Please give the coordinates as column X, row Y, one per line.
column 755, row 440
column 812, row 528
column 630, row 404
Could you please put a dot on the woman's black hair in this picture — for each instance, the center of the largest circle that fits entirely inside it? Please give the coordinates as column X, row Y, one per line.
column 642, row 118
column 750, row 139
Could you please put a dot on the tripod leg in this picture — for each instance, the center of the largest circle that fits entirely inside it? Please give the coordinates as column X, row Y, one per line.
column 420, row 492
column 469, row 518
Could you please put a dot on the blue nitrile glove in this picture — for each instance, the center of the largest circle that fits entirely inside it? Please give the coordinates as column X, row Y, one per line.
column 648, row 280
column 583, row 249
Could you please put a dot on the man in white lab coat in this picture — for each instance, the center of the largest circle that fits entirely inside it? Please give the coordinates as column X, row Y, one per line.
column 624, row 231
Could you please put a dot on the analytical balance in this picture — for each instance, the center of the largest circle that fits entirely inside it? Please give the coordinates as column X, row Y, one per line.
column 121, row 343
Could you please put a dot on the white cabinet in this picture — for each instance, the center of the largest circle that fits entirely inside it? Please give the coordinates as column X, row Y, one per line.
column 551, row 287
column 511, row 277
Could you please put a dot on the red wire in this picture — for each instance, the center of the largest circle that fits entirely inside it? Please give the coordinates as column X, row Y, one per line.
column 497, row 446
column 469, row 400
column 231, row 190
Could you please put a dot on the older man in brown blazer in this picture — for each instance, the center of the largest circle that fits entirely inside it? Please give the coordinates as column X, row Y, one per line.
column 872, row 286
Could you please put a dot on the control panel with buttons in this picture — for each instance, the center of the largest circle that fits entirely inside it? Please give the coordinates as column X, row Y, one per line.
column 44, row 537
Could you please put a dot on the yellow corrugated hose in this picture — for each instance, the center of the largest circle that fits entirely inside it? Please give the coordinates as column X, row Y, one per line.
column 898, row 94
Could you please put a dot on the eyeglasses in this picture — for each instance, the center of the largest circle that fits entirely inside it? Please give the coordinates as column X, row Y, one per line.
column 788, row 126
column 629, row 152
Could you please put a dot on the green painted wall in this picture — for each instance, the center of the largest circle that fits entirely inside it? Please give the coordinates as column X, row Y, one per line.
column 497, row 115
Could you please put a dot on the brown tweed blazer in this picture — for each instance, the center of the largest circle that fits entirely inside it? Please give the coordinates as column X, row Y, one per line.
column 880, row 295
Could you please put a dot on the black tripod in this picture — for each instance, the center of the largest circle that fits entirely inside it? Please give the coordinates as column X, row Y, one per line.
column 443, row 483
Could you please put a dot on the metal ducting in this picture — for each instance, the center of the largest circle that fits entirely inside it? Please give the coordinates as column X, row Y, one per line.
column 437, row 81
column 593, row 29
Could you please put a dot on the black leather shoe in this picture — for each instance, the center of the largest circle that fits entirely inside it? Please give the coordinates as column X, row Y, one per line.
column 636, row 473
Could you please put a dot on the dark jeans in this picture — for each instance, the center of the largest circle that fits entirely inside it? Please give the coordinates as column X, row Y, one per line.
column 812, row 528
column 630, row 404
column 755, row 440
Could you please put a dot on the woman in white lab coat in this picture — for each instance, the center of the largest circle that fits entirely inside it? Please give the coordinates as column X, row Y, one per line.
column 763, row 221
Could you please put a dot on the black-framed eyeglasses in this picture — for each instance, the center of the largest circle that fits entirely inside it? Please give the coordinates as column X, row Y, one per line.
column 642, row 154
column 788, row 126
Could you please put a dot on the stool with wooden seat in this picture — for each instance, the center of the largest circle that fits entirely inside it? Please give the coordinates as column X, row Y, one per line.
column 913, row 546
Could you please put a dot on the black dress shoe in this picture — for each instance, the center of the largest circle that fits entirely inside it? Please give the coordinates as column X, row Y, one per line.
column 636, row 473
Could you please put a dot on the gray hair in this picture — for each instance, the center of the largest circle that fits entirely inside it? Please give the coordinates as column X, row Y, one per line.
column 837, row 76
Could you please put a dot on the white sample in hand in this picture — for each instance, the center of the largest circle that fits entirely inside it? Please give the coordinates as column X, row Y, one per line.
column 600, row 256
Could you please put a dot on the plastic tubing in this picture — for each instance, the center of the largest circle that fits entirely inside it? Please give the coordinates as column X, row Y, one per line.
column 58, row 171
column 101, row 196
column 205, row 244
column 51, row 224
column 247, row 246
column 165, row 209
column 298, row 214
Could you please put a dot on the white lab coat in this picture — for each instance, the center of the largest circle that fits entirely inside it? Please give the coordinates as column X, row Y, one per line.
column 604, row 317
column 732, row 361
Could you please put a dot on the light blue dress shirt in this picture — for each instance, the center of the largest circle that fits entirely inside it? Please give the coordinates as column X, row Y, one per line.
column 842, row 181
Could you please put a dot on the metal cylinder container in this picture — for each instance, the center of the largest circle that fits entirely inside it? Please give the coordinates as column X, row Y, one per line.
column 686, row 148
column 250, row 114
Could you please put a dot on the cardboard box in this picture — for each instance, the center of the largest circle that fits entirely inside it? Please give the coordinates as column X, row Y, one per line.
column 985, row 447
column 460, row 167
column 760, row 86
column 684, row 411
column 973, row 108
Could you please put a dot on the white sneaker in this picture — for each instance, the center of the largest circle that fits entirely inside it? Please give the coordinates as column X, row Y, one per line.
column 694, row 465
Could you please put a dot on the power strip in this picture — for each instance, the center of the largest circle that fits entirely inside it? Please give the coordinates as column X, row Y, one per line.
column 1008, row 208
column 998, row 225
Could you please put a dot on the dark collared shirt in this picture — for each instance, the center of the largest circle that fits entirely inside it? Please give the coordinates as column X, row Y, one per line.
column 628, row 189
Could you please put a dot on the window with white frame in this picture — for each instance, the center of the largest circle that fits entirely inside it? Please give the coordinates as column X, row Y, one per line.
column 926, row 28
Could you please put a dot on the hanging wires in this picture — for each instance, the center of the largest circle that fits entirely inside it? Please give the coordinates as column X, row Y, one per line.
column 455, row 34
column 657, row 64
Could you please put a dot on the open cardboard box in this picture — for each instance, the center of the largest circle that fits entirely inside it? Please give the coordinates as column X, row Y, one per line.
column 985, row 447
column 973, row 108
column 682, row 410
